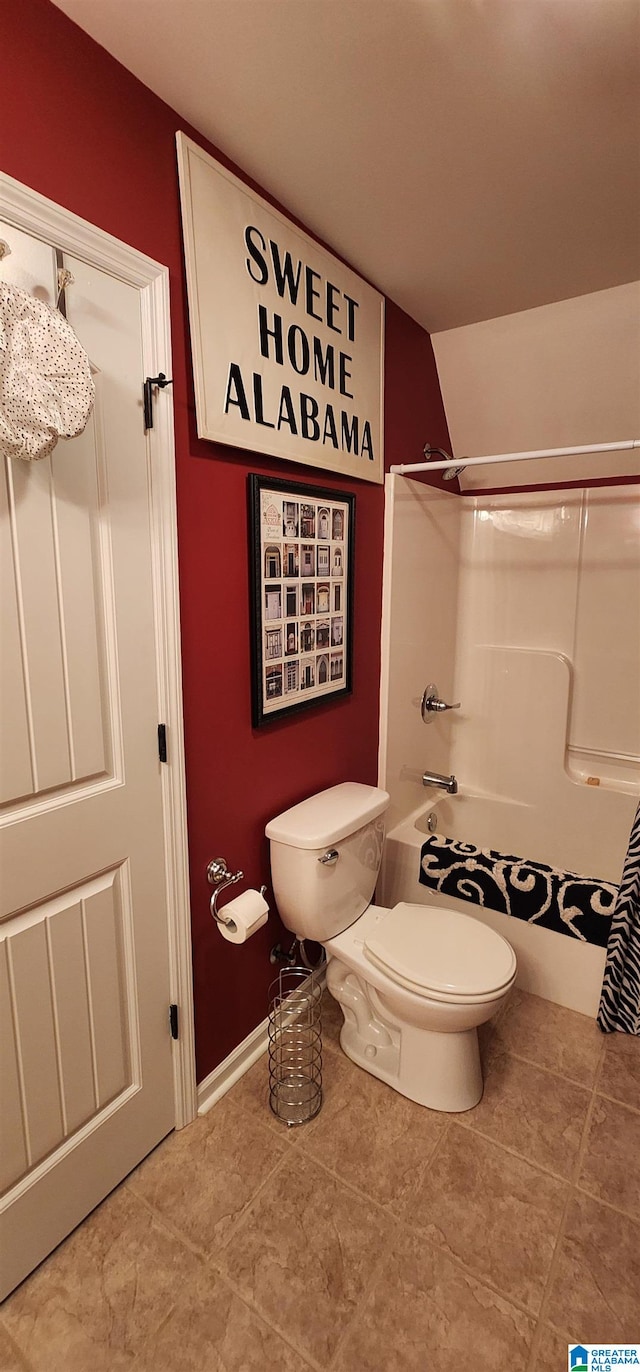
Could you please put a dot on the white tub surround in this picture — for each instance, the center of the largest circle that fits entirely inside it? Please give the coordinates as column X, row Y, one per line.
column 420, row 596
column 555, row 573
column 523, row 607
column 511, row 745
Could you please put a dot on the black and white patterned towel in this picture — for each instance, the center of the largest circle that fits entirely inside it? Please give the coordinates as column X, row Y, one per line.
column 620, row 1001
column 563, row 901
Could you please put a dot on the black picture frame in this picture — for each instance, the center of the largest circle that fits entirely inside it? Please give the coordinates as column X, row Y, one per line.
column 301, row 542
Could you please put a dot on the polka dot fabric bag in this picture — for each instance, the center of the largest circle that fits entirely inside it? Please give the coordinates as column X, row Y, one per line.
column 46, row 387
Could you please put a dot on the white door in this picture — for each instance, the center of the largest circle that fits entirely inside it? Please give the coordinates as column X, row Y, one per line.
column 85, row 1050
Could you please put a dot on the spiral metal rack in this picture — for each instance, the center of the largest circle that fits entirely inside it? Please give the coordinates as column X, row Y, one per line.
column 295, row 1045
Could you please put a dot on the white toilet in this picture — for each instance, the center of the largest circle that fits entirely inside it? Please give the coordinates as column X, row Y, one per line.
column 414, row 982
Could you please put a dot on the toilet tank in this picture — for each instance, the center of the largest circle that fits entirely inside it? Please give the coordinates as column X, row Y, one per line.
column 319, row 899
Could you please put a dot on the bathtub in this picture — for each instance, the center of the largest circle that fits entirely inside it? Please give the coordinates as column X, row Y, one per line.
column 556, row 966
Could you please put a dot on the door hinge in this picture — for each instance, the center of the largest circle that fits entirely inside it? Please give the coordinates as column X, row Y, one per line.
column 162, row 742
column 173, row 1021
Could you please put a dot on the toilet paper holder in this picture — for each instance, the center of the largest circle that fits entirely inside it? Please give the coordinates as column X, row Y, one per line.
column 218, row 875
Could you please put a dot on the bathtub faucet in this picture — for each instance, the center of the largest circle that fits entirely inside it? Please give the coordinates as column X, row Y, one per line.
column 449, row 784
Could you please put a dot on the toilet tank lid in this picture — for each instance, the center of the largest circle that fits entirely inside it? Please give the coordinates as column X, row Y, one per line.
column 327, row 817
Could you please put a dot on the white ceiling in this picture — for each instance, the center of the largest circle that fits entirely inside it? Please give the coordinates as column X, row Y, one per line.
column 471, row 157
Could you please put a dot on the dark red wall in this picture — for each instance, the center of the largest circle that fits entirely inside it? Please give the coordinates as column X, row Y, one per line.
column 77, row 127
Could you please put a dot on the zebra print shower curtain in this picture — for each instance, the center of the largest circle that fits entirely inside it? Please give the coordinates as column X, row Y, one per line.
column 620, row 999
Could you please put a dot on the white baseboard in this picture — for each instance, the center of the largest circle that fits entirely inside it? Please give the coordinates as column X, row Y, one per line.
column 229, row 1072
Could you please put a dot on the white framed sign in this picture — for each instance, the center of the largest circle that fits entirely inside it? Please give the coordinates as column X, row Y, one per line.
column 287, row 342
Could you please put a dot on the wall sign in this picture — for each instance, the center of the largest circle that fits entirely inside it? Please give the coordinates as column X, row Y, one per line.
column 287, row 342
column 301, row 541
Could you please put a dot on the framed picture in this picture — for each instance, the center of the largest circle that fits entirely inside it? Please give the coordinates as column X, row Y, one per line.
column 287, row 341
column 301, row 541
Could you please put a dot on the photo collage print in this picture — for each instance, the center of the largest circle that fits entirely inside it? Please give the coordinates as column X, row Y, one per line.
column 303, row 550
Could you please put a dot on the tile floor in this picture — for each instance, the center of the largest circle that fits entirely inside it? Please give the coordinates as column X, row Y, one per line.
column 381, row 1236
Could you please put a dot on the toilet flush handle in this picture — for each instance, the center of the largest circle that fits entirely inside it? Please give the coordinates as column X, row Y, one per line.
column 329, row 858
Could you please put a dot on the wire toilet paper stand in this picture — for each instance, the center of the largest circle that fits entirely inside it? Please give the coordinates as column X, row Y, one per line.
column 295, row 1045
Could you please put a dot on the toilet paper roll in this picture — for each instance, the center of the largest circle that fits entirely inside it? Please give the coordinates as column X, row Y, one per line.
column 247, row 912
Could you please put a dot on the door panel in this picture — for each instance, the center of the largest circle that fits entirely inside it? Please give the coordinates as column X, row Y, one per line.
column 69, row 1014
column 36, row 589
column 87, row 1073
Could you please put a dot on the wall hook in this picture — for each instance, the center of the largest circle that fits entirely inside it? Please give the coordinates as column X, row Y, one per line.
column 64, row 278
column 147, row 395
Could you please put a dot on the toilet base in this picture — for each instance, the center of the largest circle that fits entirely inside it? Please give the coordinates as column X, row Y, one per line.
column 440, row 1070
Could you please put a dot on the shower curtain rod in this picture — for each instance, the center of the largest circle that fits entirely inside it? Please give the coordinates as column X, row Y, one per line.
column 406, row 467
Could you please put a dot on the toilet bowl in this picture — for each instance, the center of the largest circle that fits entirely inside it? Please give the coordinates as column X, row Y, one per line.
column 419, row 1037
column 414, row 982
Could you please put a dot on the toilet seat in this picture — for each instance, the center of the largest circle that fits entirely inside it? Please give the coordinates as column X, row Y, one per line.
column 441, row 954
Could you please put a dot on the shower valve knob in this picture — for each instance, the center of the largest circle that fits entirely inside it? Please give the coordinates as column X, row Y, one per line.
column 432, row 704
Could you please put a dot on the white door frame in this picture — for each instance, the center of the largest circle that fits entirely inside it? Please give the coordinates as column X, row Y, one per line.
column 28, row 210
